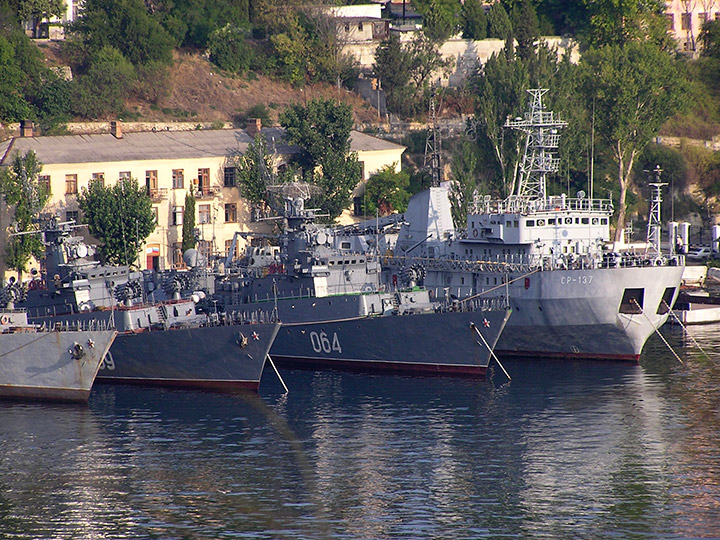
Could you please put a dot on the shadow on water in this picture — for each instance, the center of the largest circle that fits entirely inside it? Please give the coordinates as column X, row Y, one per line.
column 566, row 450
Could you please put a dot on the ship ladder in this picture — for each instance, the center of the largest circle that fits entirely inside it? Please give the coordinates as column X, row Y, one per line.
column 685, row 330
column 657, row 330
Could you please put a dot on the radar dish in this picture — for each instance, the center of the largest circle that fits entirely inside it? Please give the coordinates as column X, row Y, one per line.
column 321, row 238
column 295, row 190
column 81, row 250
column 193, row 258
column 580, row 194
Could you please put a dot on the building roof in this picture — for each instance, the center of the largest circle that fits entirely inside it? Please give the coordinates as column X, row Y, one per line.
column 143, row 146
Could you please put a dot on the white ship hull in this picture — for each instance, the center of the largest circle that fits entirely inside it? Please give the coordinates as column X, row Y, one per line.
column 577, row 313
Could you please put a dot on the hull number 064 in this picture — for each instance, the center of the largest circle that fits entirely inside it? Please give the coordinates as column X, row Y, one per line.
column 321, row 342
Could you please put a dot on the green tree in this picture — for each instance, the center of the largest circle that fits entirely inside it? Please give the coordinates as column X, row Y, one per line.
column 463, row 167
column 526, row 28
column 710, row 38
column 103, row 88
column 635, row 88
column 499, row 26
column 21, row 188
column 440, row 18
column 387, row 191
column 230, row 50
column 119, row 216
column 188, row 228
column 473, row 20
column 405, row 70
column 619, row 21
column 13, row 105
column 322, row 131
column 254, row 171
column 125, row 25
column 500, row 88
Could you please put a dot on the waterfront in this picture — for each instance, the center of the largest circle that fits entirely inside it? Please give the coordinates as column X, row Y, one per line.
column 567, row 450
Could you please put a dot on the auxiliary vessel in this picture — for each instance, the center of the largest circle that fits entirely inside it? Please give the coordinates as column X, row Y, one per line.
column 41, row 363
column 548, row 255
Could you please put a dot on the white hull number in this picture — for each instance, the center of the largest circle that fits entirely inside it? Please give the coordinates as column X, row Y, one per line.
column 321, row 342
column 583, row 279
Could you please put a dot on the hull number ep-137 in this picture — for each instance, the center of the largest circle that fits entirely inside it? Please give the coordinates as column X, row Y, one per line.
column 583, row 279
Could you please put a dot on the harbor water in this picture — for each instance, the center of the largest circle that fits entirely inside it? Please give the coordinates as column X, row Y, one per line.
column 566, row 450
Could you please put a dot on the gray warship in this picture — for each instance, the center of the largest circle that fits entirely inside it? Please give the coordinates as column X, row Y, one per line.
column 40, row 363
column 572, row 296
column 325, row 286
column 163, row 339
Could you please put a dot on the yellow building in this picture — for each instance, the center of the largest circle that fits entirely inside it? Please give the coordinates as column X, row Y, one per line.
column 168, row 163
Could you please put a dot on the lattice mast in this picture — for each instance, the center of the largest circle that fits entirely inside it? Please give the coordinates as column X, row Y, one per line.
column 654, row 230
column 431, row 159
column 543, row 138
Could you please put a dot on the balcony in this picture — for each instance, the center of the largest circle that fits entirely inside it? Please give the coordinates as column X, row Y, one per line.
column 158, row 194
column 206, row 192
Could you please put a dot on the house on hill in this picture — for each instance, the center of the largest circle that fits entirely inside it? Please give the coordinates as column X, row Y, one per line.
column 169, row 163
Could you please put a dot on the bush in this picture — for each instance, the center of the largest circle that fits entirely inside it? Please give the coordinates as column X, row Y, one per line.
column 229, row 49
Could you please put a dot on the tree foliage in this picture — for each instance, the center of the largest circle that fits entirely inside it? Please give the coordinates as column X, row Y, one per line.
column 102, row 89
column 188, row 227
column 464, row 181
column 322, row 131
column 21, row 188
column 125, row 25
column 387, row 191
column 120, row 216
column 440, row 18
column 405, row 70
column 634, row 88
column 499, row 26
column 254, row 171
column 473, row 20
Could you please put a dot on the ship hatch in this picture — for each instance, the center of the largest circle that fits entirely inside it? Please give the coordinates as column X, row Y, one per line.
column 632, row 301
column 666, row 301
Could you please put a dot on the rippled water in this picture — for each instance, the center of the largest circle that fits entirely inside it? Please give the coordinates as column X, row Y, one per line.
column 567, row 450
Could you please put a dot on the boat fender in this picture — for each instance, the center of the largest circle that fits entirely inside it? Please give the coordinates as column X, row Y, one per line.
column 431, row 294
column 77, row 351
column 241, row 340
column 4, row 319
column 659, row 261
column 475, row 232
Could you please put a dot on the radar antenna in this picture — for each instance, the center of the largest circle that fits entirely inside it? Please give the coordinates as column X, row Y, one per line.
column 543, row 138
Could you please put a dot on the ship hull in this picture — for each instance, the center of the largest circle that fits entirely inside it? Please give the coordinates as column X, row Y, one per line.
column 221, row 358
column 578, row 313
column 433, row 343
column 45, row 366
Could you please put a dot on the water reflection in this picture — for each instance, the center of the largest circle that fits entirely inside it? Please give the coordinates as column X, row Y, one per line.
column 567, row 450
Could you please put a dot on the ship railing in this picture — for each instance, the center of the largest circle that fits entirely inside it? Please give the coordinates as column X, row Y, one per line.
column 255, row 316
column 526, row 205
column 87, row 325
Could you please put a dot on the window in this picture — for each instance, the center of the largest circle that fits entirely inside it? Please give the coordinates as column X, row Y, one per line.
column 230, row 212
column 670, row 21
column 177, row 218
column 178, row 178
column 604, row 221
column 98, row 177
column 540, row 222
column 124, row 175
column 204, row 247
column 585, row 221
column 203, row 180
column 229, row 177
column 151, row 183
column 204, row 213
column 70, row 184
column 530, row 223
column 72, row 215
column 155, row 215
column 228, row 246
column 360, row 26
column 703, row 17
column 44, row 180
column 177, row 254
column 686, row 23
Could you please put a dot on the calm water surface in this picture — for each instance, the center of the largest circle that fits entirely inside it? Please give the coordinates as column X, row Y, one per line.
column 567, row 450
